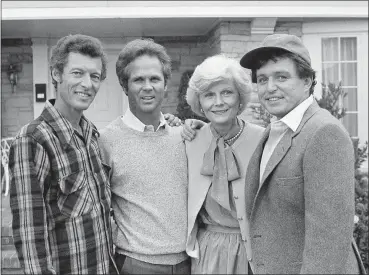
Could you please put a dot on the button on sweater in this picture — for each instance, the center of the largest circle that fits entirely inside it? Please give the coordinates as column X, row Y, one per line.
column 149, row 191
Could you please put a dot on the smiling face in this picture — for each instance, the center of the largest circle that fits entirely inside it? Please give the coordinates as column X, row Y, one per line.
column 146, row 86
column 78, row 84
column 280, row 88
column 220, row 103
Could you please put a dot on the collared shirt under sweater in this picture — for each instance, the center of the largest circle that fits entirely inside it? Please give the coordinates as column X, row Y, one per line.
column 149, row 191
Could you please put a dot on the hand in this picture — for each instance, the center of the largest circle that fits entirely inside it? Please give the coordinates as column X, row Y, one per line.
column 189, row 129
column 172, row 120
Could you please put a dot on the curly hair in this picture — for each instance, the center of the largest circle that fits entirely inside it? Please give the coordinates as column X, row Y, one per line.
column 137, row 48
column 76, row 43
column 215, row 69
column 303, row 68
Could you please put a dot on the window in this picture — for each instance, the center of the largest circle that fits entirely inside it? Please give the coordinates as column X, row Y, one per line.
column 339, row 63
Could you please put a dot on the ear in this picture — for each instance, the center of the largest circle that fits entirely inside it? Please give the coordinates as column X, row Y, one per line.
column 125, row 91
column 165, row 90
column 56, row 75
column 307, row 84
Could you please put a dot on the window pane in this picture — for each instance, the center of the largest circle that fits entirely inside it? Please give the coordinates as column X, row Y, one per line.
column 350, row 123
column 330, row 49
column 350, row 100
column 348, row 48
column 349, row 74
column 330, row 73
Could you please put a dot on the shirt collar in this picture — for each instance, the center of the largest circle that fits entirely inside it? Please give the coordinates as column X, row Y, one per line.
column 294, row 117
column 62, row 127
column 133, row 122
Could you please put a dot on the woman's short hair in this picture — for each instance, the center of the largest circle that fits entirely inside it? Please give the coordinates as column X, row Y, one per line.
column 76, row 43
column 137, row 48
column 303, row 68
column 215, row 69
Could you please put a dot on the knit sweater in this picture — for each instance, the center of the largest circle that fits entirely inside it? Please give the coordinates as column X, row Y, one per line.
column 149, row 191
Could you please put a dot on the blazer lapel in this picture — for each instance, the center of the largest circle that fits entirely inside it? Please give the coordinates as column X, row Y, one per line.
column 253, row 172
column 279, row 152
column 285, row 143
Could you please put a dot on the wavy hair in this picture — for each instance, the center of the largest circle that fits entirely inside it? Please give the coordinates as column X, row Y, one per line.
column 214, row 69
column 76, row 43
column 137, row 48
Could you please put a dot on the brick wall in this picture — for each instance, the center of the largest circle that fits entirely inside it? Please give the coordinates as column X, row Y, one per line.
column 186, row 53
column 17, row 107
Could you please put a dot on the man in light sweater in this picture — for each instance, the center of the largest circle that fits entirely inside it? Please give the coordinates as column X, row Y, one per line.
column 148, row 168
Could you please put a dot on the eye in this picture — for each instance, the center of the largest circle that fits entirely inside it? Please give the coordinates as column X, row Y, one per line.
column 208, row 95
column 76, row 73
column 227, row 92
column 261, row 80
column 95, row 77
column 282, row 78
column 137, row 79
column 155, row 79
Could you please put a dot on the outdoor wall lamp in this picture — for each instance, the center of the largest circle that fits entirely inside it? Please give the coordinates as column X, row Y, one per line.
column 13, row 71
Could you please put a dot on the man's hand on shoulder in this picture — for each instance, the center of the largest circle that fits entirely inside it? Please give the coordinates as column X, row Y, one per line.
column 172, row 120
column 189, row 129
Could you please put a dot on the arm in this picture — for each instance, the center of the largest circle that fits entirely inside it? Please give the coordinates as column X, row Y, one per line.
column 29, row 168
column 189, row 129
column 172, row 120
column 329, row 201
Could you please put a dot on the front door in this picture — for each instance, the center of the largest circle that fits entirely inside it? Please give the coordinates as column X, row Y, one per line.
column 110, row 101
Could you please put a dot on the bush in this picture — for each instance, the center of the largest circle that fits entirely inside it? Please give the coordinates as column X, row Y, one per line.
column 184, row 110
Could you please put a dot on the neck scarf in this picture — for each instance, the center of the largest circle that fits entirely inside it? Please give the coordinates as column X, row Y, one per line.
column 220, row 162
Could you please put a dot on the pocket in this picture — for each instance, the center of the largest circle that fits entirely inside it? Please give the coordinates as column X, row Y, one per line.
column 290, row 190
column 74, row 197
column 290, row 182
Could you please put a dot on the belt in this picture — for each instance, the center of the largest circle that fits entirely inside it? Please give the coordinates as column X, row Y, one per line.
column 222, row 229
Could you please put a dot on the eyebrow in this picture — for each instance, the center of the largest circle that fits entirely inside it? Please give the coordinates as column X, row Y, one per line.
column 277, row 72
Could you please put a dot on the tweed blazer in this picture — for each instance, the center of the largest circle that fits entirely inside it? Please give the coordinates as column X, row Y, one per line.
column 199, row 184
column 302, row 214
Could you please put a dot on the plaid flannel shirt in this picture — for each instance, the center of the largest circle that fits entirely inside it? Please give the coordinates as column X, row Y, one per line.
column 60, row 198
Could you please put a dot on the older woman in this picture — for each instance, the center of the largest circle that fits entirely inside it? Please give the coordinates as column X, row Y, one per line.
column 218, row 230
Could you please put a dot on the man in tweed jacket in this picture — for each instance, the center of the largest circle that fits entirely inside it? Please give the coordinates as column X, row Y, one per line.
column 300, row 180
column 60, row 193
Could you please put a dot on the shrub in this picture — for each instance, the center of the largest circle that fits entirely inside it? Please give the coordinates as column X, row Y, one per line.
column 184, row 110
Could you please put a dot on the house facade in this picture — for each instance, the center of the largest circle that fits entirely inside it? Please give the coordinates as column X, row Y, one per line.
column 336, row 34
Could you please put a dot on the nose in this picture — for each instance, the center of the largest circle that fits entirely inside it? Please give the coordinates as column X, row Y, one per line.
column 218, row 100
column 147, row 85
column 271, row 85
column 86, row 81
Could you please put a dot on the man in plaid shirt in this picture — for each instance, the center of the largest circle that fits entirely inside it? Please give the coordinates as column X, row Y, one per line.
column 60, row 193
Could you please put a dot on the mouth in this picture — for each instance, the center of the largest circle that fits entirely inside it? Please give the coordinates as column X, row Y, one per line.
column 83, row 94
column 273, row 99
column 147, row 98
column 219, row 112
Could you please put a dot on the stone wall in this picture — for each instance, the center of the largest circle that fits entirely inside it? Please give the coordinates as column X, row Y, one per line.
column 16, row 107
column 186, row 53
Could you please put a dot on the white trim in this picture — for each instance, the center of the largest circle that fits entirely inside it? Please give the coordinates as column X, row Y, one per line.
column 40, row 50
column 170, row 9
column 337, row 26
column 312, row 40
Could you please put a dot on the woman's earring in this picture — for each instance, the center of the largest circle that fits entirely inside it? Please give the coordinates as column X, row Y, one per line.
column 201, row 110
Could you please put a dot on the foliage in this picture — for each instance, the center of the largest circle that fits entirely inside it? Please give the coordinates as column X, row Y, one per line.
column 362, row 155
column 264, row 115
column 183, row 109
column 331, row 96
